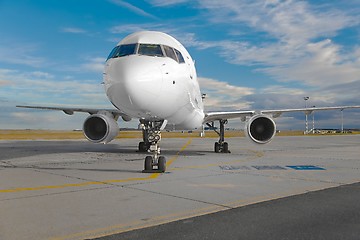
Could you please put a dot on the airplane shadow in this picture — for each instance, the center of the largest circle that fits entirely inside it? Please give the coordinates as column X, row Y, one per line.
column 26, row 149
column 22, row 149
column 115, row 170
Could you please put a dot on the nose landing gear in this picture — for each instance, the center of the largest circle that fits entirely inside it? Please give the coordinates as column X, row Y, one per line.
column 152, row 138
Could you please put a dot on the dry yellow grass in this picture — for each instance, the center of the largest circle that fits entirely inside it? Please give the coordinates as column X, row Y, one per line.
column 39, row 134
column 52, row 134
column 59, row 135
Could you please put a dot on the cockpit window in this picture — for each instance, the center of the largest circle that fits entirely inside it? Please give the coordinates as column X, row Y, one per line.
column 113, row 52
column 150, row 50
column 170, row 52
column 122, row 50
column 179, row 56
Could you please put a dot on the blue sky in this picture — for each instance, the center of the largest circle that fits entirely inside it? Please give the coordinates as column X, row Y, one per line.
column 249, row 54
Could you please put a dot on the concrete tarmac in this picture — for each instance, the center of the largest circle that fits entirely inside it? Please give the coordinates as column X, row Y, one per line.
column 79, row 190
column 329, row 214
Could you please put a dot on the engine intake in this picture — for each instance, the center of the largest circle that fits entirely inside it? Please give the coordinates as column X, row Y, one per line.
column 100, row 128
column 260, row 129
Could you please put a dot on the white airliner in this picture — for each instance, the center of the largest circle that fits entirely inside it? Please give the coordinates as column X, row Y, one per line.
column 150, row 76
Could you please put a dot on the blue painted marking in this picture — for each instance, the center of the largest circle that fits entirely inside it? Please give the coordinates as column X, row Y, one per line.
column 306, row 167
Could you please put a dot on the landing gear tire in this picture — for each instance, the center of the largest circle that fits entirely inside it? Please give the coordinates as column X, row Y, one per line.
column 162, row 164
column 148, row 163
column 221, row 147
column 217, row 147
column 225, row 148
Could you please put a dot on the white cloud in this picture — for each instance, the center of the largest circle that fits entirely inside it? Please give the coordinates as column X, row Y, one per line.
column 22, row 54
column 296, row 44
column 324, row 65
column 132, row 8
column 3, row 83
column 222, row 95
column 27, row 87
column 278, row 89
column 39, row 74
column 224, row 87
column 130, row 28
column 42, row 88
column 162, row 3
column 95, row 64
column 291, row 21
column 73, row 30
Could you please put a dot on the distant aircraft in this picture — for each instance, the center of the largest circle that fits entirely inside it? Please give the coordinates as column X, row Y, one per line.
column 150, row 76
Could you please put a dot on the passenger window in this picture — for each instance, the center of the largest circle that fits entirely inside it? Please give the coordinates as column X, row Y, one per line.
column 179, row 56
column 150, row 50
column 170, row 52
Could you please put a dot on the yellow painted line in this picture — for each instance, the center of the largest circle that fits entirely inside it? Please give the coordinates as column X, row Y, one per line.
column 152, row 176
column 158, row 220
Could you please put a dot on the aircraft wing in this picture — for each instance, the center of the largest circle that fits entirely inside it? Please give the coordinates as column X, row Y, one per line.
column 70, row 111
column 214, row 116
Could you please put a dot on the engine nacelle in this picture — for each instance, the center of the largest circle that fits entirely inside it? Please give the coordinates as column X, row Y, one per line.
column 100, row 128
column 260, row 129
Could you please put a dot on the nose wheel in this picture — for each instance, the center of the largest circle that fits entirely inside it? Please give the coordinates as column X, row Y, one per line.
column 150, row 164
column 152, row 138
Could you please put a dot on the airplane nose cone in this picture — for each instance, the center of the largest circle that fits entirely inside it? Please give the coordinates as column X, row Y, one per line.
column 133, row 84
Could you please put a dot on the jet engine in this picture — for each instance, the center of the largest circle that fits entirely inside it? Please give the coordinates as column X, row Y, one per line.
column 260, row 129
column 100, row 128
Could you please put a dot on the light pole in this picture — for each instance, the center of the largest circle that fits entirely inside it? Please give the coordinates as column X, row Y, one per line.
column 306, row 116
column 342, row 120
column 313, row 128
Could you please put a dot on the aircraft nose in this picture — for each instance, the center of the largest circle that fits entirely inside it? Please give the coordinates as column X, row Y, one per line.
column 136, row 83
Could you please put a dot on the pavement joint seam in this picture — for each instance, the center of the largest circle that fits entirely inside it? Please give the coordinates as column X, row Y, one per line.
column 179, row 197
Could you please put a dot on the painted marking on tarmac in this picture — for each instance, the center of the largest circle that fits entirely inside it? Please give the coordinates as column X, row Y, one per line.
column 233, row 168
column 255, row 155
column 91, row 183
column 270, row 167
column 306, row 167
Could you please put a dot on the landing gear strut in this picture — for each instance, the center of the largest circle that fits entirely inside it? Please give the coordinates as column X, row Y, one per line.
column 151, row 140
column 220, row 146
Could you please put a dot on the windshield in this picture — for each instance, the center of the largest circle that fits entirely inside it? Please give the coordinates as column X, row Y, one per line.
column 150, row 50
column 179, row 55
column 122, row 50
column 170, row 52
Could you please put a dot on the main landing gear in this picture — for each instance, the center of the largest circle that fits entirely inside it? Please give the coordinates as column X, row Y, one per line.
column 151, row 139
column 220, row 146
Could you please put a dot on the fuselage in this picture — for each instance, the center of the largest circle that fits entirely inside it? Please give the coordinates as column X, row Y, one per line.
column 150, row 75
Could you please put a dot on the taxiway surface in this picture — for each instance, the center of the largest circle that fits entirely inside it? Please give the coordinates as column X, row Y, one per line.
column 79, row 190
